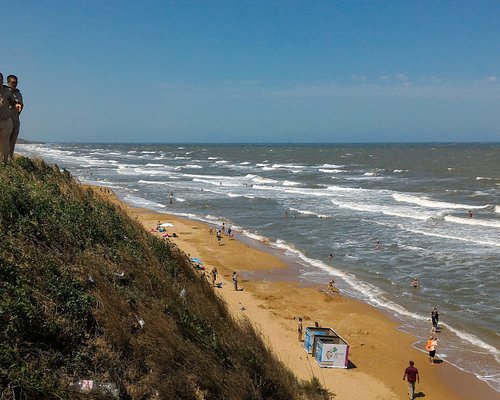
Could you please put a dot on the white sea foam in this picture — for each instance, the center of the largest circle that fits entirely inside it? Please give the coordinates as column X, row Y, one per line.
column 142, row 202
column 332, row 171
column 245, row 163
column 290, row 183
column 451, row 237
column 424, row 201
column 142, row 171
column 400, row 171
column 386, row 210
column 497, row 209
column 331, row 166
column 259, row 179
column 483, row 178
column 146, row 182
column 472, row 221
column 473, row 339
column 221, row 162
column 288, row 166
column 306, row 212
column 213, row 158
column 192, row 166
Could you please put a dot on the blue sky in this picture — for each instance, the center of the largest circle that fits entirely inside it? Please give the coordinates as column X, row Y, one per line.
column 255, row 71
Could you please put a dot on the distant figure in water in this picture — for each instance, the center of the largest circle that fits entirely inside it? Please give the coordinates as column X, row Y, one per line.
column 415, row 283
column 377, row 246
column 330, row 257
column 470, row 214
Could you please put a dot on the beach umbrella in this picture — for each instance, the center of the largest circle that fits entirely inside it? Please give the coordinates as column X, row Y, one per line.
column 167, row 224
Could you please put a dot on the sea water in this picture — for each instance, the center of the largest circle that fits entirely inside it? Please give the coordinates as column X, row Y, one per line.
column 434, row 210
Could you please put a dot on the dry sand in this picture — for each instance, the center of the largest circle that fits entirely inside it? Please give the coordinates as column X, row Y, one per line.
column 379, row 352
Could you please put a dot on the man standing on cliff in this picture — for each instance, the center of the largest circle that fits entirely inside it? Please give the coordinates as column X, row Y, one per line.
column 15, row 110
column 6, row 102
column 411, row 375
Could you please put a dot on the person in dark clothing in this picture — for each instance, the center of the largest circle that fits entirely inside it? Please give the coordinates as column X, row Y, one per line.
column 435, row 317
column 15, row 112
column 6, row 103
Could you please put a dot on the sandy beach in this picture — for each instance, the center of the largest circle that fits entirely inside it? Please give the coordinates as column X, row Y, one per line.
column 273, row 301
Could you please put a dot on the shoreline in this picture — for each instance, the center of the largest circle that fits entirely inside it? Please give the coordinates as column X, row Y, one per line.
column 379, row 350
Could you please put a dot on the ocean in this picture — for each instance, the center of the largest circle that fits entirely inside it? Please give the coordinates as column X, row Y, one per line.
column 434, row 210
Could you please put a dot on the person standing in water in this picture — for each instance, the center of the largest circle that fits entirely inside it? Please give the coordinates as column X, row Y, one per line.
column 435, row 317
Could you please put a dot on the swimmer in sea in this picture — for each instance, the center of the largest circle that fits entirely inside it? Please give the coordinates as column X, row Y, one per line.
column 415, row 283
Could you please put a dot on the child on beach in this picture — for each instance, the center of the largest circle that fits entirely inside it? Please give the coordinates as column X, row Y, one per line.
column 299, row 329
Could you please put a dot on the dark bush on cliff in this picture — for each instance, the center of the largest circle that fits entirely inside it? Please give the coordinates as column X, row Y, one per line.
column 87, row 293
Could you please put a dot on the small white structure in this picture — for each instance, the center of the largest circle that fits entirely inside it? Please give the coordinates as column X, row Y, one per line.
column 331, row 351
column 310, row 337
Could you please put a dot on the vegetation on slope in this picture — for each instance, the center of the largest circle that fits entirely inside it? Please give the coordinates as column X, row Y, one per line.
column 87, row 293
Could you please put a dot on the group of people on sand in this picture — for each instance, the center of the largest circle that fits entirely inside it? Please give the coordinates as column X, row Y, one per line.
column 220, row 231
column 213, row 277
column 11, row 106
column 411, row 373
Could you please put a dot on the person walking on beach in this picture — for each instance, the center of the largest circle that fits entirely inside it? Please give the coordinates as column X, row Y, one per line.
column 235, row 280
column 214, row 275
column 435, row 317
column 431, row 348
column 411, row 375
column 300, row 329
column 15, row 112
column 6, row 103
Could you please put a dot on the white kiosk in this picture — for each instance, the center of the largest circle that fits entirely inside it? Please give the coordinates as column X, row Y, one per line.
column 331, row 351
column 311, row 335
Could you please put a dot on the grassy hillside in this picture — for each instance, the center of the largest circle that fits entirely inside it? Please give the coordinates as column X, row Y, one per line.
column 86, row 293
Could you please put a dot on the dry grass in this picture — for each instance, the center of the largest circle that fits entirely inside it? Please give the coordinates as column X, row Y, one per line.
column 86, row 293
